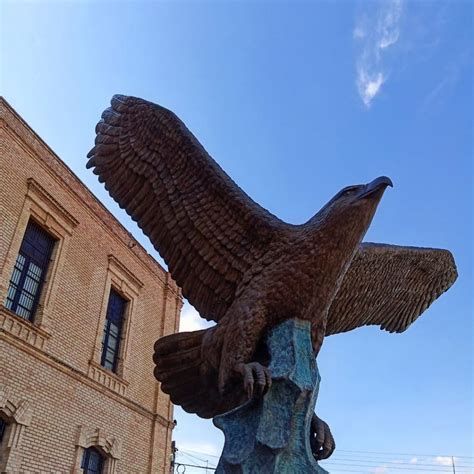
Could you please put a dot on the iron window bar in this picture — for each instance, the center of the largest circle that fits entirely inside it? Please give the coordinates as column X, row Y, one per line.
column 113, row 330
column 92, row 461
column 29, row 271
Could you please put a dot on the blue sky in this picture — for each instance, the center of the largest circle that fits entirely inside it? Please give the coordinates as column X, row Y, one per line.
column 295, row 101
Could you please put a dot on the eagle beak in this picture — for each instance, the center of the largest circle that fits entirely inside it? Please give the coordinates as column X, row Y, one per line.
column 378, row 184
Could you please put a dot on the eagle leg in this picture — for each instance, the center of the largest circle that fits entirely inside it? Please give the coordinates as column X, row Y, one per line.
column 245, row 323
column 321, row 439
column 253, row 374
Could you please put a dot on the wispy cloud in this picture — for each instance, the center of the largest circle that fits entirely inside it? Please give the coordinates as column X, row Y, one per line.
column 452, row 72
column 190, row 320
column 359, row 32
column 374, row 35
column 444, row 460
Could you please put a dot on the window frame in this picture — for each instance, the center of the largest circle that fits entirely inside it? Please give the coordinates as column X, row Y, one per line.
column 109, row 446
column 46, row 211
column 119, row 277
column 119, row 323
column 29, row 259
column 3, row 429
column 16, row 414
column 86, row 458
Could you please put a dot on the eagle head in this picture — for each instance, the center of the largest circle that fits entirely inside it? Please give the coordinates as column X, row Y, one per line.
column 350, row 212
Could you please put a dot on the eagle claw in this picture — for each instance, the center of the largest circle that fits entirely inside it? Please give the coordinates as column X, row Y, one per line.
column 321, row 439
column 254, row 374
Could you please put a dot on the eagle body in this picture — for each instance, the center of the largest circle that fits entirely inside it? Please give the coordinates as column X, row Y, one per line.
column 245, row 269
column 297, row 277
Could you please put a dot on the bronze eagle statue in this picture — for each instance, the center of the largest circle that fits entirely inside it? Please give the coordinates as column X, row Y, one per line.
column 247, row 270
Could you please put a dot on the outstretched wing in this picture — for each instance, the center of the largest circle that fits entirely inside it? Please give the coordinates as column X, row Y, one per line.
column 390, row 286
column 205, row 227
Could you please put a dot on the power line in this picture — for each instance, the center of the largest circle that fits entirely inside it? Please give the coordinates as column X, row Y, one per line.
column 192, row 459
column 345, row 460
column 407, row 454
column 394, row 466
column 340, row 451
column 201, row 452
column 363, row 471
column 189, row 455
column 193, row 465
column 417, row 463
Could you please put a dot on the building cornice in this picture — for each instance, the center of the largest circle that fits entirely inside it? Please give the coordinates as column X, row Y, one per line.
column 27, row 138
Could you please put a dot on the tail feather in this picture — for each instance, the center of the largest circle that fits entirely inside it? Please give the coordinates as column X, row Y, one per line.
column 180, row 359
column 188, row 398
column 188, row 379
column 168, row 373
column 179, row 342
column 184, row 375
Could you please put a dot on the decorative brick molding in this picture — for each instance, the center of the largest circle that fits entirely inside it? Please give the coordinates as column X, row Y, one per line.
column 22, row 329
column 124, row 275
column 18, row 416
column 17, row 410
column 107, row 378
column 39, row 195
column 49, row 214
column 110, row 446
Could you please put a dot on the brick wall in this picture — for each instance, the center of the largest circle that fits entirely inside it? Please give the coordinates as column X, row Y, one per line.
column 50, row 369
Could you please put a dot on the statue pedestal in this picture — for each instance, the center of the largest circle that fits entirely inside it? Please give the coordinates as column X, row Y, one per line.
column 270, row 434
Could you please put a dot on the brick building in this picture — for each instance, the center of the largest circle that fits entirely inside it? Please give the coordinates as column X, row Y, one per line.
column 81, row 304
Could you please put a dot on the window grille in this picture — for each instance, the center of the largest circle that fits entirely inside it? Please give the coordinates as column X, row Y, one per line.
column 113, row 330
column 29, row 272
column 92, row 461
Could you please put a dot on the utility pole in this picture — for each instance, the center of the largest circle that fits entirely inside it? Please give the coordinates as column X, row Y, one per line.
column 454, row 467
column 173, row 456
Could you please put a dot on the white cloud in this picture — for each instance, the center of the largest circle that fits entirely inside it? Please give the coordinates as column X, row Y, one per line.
column 388, row 24
column 376, row 34
column 369, row 86
column 388, row 40
column 380, row 470
column 444, row 460
column 190, row 320
column 413, row 460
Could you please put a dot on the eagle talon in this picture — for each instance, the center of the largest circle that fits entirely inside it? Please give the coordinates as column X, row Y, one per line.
column 254, row 374
column 321, row 439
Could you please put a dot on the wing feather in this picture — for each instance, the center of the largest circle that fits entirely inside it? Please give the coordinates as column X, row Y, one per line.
column 205, row 227
column 390, row 286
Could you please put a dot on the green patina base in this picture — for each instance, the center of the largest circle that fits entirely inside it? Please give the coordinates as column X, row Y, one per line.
column 271, row 434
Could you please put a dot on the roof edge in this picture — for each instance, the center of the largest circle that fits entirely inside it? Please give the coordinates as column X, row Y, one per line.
column 10, row 116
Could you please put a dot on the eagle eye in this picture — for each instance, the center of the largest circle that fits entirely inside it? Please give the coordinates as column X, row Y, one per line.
column 349, row 191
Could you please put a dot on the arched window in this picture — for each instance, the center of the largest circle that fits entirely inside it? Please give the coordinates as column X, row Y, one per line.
column 92, row 461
